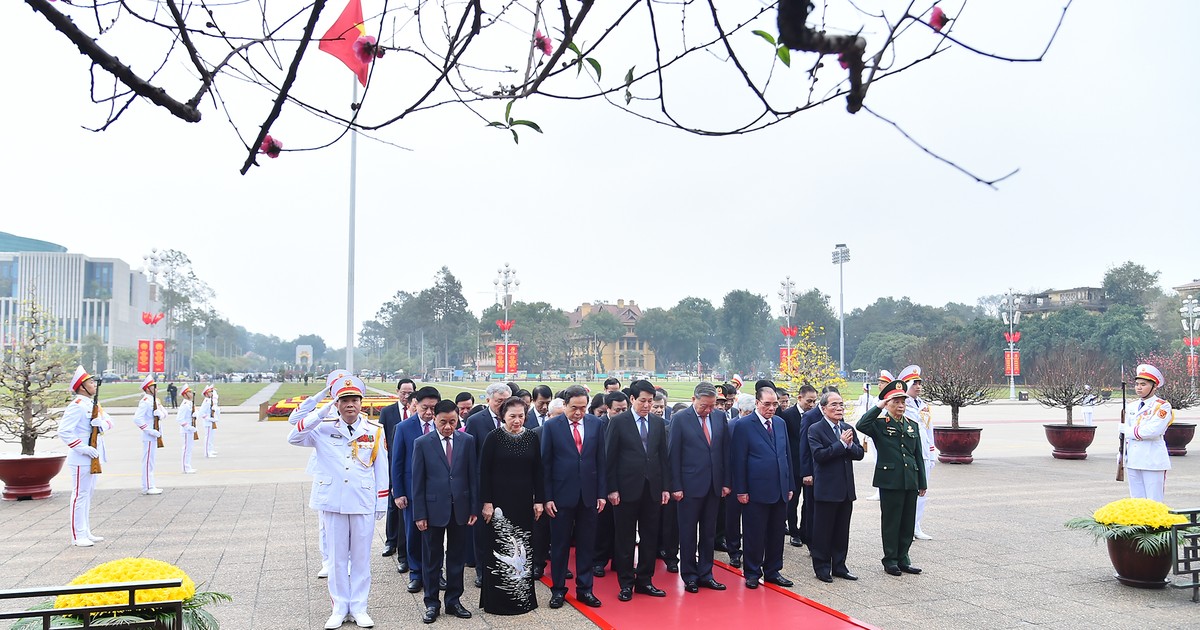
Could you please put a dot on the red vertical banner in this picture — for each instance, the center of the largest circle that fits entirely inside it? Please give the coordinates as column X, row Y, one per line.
column 501, row 359
column 1012, row 363
column 1193, row 367
column 160, row 355
column 143, row 355
column 512, row 358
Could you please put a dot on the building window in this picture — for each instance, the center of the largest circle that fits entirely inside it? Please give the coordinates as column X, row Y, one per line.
column 97, row 280
column 8, row 278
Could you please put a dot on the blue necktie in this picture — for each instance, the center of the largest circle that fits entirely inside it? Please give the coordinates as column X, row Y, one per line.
column 642, row 430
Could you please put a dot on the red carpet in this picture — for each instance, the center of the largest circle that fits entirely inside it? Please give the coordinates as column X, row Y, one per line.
column 738, row 607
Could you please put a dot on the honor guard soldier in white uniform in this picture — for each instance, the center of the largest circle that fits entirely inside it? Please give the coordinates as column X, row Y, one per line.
column 83, row 435
column 307, row 406
column 917, row 410
column 187, row 426
column 351, row 484
column 862, row 406
column 210, row 413
column 1146, row 457
column 147, row 418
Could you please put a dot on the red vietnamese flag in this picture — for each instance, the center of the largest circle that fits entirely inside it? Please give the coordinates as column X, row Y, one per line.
column 339, row 39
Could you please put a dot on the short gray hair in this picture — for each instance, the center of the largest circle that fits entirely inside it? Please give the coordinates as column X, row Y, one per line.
column 662, row 398
column 825, row 398
column 496, row 388
column 556, row 405
column 744, row 403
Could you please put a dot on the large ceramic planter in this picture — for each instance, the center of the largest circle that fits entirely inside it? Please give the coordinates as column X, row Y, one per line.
column 28, row 477
column 1137, row 569
column 1070, row 441
column 956, row 445
column 1177, row 437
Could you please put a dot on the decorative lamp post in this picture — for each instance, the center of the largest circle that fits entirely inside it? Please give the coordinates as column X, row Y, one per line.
column 1190, row 318
column 153, row 263
column 787, row 298
column 841, row 256
column 506, row 284
column 1010, row 313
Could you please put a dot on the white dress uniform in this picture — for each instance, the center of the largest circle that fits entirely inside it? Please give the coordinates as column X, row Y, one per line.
column 210, row 414
column 1146, row 457
column 183, row 415
column 351, row 483
column 918, row 411
column 307, row 406
column 75, row 430
column 147, row 409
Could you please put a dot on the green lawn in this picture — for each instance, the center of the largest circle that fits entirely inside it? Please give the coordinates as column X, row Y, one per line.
column 231, row 393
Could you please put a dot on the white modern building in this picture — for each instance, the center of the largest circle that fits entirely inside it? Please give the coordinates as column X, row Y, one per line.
column 100, row 296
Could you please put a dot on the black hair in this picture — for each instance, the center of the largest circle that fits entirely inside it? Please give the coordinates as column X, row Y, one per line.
column 476, row 409
column 597, row 402
column 612, row 381
column 728, row 389
column 762, row 382
column 445, row 406
column 464, row 396
column 573, row 391
column 678, row 407
column 637, row 387
column 829, row 388
column 522, row 392
column 426, row 392
column 612, row 397
column 542, row 391
column 512, row 401
column 514, row 387
column 807, row 389
column 405, row 380
column 759, row 392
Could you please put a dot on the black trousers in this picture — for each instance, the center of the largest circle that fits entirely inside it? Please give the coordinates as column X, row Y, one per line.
column 793, row 511
column 579, row 518
column 697, row 531
column 629, row 519
column 455, row 551
column 605, row 537
column 806, row 514
column 764, row 524
column 541, row 543
column 668, row 532
column 733, row 525
column 719, row 532
column 394, row 528
column 831, row 536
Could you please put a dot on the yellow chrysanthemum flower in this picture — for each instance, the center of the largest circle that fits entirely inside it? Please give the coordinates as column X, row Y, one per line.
column 1145, row 512
column 129, row 570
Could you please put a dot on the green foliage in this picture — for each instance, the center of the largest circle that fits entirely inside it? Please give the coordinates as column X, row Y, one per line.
column 1148, row 541
column 885, row 350
column 509, row 122
column 742, row 319
column 1131, row 285
column 438, row 312
column 540, row 328
column 677, row 333
column 604, row 328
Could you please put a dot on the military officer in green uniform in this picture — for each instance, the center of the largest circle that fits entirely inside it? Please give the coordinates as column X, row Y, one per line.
column 899, row 473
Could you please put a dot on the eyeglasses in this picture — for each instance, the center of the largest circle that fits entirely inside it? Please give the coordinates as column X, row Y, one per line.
column 836, row 405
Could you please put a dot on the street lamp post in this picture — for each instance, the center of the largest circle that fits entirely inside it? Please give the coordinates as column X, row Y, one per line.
column 1011, row 314
column 1190, row 318
column 787, row 297
column 841, row 256
column 506, row 281
column 153, row 264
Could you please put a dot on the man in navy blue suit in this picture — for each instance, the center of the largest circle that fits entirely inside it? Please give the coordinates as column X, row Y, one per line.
column 835, row 448
column 573, row 462
column 407, row 433
column 698, row 448
column 444, row 497
column 539, row 406
column 479, row 425
column 762, row 481
column 391, row 416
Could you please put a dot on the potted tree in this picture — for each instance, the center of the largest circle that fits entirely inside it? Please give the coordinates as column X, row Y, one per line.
column 1177, row 391
column 955, row 374
column 31, row 374
column 1063, row 379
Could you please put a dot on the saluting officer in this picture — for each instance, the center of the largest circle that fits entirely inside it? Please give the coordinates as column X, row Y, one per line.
column 183, row 416
column 917, row 410
column 353, row 449
column 147, row 410
column 899, row 474
column 75, row 430
column 299, row 413
column 1146, row 457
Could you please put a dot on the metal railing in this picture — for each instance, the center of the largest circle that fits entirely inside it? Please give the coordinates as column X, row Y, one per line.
column 85, row 613
column 1187, row 551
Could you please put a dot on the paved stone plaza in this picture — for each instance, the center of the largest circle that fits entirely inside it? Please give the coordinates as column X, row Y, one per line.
column 1000, row 557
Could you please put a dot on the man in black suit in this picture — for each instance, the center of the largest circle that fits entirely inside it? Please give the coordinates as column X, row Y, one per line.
column 573, row 461
column 835, row 448
column 389, row 417
column 763, row 482
column 636, row 459
column 464, row 401
column 479, row 425
column 806, row 400
column 539, row 407
column 698, row 448
column 444, row 493
column 668, row 526
column 807, row 503
column 617, row 402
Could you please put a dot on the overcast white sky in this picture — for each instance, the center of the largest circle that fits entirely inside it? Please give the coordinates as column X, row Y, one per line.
column 603, row 206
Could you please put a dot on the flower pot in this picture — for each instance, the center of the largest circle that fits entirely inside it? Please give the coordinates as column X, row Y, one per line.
column 1177, row 437
column 28, row 477
column 1137, row 569
column 1070, row 441
column 956, row 445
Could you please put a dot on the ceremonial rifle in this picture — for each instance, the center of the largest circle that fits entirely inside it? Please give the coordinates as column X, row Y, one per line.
column 195, row 432
column 94, row 440
column 1121, row 446
column 154, row 413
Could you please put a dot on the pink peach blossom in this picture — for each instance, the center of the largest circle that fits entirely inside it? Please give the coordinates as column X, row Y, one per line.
column 842, row 61
column 938, row 19
column 364, row 48
column 271, row 147
column 543, row 43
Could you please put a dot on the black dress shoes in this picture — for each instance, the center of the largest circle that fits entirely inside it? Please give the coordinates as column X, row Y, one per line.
column 711, row 584
column 389, row 552
column 751, row 584
column 796, row 542
column 431, row 615
column 825, row 578
column 588, row 599
column 415, row 586
column 720, row 545
column 441, row 584
column 735, row 560
column 537, row 573
column 649, row 589
column 892, row 570
column 478, row 581
column 846, row 575
column 458, row 611
column 672, row 567
column 598, row 571
column 570, row 575
column 402, row 567
column 556, row 600
column 626, row 594
column 691, row 587
column 779, row 580
column 908, row 568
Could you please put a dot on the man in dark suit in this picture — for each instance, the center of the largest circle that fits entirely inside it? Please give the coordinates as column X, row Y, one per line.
column 444, row 494
column 668, row 526
column 806, row 400
column 573, row 462
column 391, row 416
column 698, row 448
column 763, row 482
column 616, row 402
column 479, row 425
column 539, row 407
column 407, row 432
column 806, row 472
column 835, row 448
column 636, row 460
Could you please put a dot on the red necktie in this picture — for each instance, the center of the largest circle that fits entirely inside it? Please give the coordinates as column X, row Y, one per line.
column 704, row 426
column 769, row 431
column 578, row 439
column 449, row 451
column 426, row 431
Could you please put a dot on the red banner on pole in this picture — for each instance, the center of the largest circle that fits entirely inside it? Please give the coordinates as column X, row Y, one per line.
column 785, row 354
column 1193, row 365
column 512, row 358
column 143, row 355
column 501, row 359
column 1012, row 363
column 160, row 355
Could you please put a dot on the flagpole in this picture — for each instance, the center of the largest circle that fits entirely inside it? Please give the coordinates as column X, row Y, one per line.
column 350, row 263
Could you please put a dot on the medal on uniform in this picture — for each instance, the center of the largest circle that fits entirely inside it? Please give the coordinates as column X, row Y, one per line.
column 373, row 452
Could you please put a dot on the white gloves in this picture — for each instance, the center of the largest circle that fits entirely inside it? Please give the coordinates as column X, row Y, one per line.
column 100, row 423
column 87, row 451
column 325, row 411
column 319, row 396
column 152, row 433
